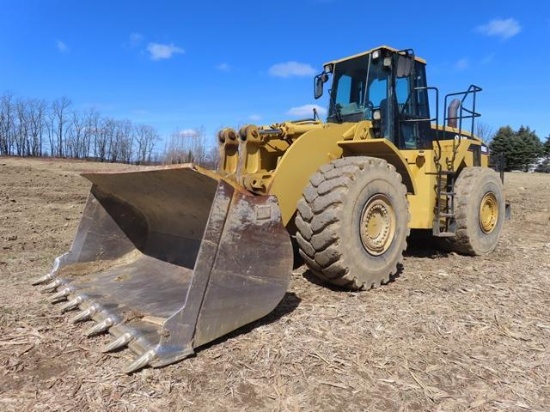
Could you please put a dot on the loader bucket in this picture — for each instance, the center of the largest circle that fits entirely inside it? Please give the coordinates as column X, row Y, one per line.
column 171, row 258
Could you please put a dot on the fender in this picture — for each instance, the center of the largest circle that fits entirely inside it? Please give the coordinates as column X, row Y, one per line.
column 383, row 149
column 318, row 147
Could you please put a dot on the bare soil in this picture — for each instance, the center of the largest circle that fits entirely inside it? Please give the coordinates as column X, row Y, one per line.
column 452, row 333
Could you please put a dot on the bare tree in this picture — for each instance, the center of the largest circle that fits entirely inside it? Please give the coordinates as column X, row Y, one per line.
column 28, row 126
column 145, row 138
column 123, row 142
column 58, row 125
column 36, row 123
column 199, row 146
column 174, row 151
column 75, row 142
column 104, row 138
column 21, row 128
column 7, row 124
column 212, row 158
column 484, row 132
column 187, row 146
column 92, row 125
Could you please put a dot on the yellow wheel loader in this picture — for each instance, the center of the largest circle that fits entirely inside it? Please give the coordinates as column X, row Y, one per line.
column 170, row 258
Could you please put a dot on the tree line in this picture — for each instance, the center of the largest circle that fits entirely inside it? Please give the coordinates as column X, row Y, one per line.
column 35, row 127
column 519, row 150
column 38, row 128
column 190, row 146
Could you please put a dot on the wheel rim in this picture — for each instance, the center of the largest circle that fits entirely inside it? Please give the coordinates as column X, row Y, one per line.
column 488, row 212
column 377, row 225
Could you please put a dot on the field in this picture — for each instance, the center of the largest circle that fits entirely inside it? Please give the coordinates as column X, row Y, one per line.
column 452, row 333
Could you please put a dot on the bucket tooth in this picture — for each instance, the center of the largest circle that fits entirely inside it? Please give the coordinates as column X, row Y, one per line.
column 72, row 304
column 43, row 279
column 61, row 295
column 84, row 315
column 52, row 286
column 100, row 327
column 119, row 342
column 141, row 362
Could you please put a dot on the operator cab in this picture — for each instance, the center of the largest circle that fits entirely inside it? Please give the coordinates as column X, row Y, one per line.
column 385, row 86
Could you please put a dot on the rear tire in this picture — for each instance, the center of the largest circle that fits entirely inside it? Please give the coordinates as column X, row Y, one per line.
column 352, row 222
column 479, row 212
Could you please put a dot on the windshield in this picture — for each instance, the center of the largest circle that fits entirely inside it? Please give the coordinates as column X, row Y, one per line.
column 353, row 95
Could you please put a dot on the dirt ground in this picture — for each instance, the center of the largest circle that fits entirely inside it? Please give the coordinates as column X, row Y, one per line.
column 452, row 333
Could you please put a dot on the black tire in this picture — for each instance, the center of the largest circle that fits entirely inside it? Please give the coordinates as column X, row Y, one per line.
column 479, row 212
column 352, row 222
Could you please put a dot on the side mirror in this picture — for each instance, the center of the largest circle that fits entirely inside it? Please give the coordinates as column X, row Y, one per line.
column 320, row 79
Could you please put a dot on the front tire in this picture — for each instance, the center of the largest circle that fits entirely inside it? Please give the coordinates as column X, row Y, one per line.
column 352, row 222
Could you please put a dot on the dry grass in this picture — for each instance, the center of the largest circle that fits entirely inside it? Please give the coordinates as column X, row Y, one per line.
column 452, row 333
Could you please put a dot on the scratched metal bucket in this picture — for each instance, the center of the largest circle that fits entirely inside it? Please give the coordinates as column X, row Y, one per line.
column 171, row 258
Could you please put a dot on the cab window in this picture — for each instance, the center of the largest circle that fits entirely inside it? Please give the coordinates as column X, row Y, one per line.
column 343, row 92
column 378, row 91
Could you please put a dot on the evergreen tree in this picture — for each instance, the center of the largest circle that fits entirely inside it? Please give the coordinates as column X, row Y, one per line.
column 519, row 148
column 529, row 147
column 546, row 148
column 502, row 145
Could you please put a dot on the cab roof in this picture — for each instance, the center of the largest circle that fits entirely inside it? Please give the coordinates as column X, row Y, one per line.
column 391, row 49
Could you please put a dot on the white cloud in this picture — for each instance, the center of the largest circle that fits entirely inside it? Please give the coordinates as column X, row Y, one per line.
column 504, row 28
column 306, row 110
column 289, row 69
column 462, row 64
column 159, row 51
column 224, row 67
column 61, row 46
column 189, row 132
column 255, row 117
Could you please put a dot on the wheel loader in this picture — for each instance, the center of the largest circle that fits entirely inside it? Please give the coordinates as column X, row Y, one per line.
column 170, row 258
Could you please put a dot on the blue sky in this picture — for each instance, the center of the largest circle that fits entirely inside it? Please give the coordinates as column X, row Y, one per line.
column 180, row 65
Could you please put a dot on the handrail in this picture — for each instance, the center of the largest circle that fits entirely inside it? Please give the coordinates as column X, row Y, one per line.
column 470, row 113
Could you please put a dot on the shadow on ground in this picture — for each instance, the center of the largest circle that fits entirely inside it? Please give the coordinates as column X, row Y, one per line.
column 287, row 305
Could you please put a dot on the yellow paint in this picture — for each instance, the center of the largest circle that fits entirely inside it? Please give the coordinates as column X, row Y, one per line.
column 312, row 150
column 488, row 212
column 280, row 159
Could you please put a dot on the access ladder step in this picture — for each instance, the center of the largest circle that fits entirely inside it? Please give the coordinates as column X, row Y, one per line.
column 443, row 172
column 445, row 234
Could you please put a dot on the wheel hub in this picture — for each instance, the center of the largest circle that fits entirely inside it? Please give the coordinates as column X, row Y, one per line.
column 488, row 212
column 377, row 225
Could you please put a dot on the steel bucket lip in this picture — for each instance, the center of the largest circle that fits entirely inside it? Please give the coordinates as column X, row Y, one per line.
column 159, row 168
